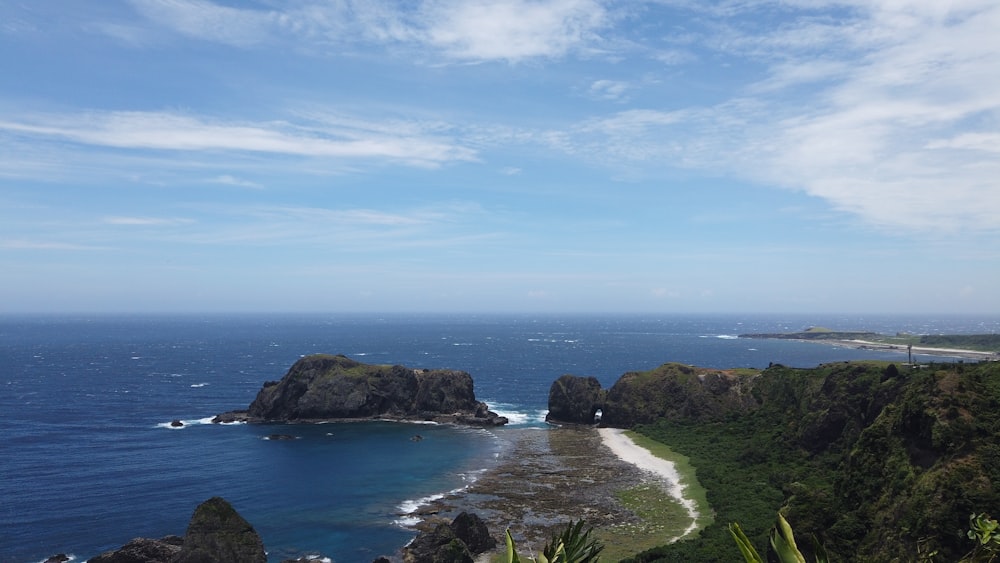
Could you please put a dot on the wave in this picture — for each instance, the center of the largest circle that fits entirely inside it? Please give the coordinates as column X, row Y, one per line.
column 194, row 422
column 727, row 336
column 408, row 508
column 68, row 558
column 517, row 415
column 198, row 385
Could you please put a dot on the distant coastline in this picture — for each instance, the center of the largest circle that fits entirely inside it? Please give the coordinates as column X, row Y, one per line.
column 961, row 345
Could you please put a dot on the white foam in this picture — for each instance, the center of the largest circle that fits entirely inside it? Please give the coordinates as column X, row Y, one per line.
column 727, row 336
column 515, row 417
column 69, row 557
column 407, row 508
column 198, row 385
column 186, row 423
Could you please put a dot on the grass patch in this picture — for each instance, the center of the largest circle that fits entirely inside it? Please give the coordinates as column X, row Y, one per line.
column 688, row 475
column 662, row 517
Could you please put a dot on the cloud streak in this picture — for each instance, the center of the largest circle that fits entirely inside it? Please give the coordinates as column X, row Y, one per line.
column 175, row 132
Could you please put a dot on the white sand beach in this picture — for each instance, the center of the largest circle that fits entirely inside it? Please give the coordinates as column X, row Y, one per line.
column 622, row 446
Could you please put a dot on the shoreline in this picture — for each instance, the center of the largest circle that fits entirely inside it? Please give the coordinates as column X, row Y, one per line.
column 902, row 349
column 546, row 477
column 628, row 451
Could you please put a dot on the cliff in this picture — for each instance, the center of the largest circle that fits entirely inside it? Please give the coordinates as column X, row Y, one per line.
column 881, row 462
column 325, row 387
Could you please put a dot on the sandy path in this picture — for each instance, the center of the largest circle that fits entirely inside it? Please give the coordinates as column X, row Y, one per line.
column 622, row 446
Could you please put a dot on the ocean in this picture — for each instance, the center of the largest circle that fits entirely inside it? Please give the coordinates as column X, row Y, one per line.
column 88, row 459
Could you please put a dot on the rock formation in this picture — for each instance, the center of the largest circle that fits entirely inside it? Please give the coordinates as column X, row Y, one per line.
column 575, row 400
column 218, row 533
column 324, row 387
column 457, row 542
column 215, row 534
column 676, row 391
column 671, row 391
column 143, row 550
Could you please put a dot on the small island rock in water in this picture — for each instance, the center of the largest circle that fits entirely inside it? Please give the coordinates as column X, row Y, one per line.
column 324, row 387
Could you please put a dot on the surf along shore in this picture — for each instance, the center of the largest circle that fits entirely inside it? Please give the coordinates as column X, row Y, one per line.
column 546, row 477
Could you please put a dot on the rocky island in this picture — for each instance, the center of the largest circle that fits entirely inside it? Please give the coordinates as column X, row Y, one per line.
column 323, row 387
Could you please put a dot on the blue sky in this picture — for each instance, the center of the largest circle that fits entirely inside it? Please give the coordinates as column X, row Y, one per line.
column 481, row 155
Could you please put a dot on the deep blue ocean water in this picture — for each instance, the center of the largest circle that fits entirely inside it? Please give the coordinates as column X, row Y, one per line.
column 88, row 461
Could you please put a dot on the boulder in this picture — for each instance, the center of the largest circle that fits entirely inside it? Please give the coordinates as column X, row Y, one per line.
column 218, row 533
column 471, row 529
column 441, row 545
column 575, row 400
column 457, row 542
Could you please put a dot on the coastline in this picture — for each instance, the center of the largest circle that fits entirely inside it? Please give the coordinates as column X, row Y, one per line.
column 546, row 477
column 902, row 349
column 627, row 450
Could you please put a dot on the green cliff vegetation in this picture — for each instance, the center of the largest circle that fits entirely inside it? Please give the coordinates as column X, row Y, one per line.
column 879, row 462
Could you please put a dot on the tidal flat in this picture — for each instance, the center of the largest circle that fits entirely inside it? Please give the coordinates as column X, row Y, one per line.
column 546, row 477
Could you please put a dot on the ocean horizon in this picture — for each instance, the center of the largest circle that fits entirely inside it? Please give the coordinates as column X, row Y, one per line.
column 90, row 459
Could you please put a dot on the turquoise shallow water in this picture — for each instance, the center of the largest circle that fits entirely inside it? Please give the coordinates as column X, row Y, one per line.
column 88, row 460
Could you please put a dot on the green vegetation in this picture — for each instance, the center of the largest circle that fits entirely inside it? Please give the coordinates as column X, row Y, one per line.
column 782, row 544
column 985, row 532
column 571, row 545
column 981, row 342
column 882, row 463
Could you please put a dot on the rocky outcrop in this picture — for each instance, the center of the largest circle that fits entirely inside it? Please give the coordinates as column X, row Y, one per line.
column 143, row 550
column 575, row 400
column 325, row 387
column 676, row 391
column 457, row 542
column 216, row 533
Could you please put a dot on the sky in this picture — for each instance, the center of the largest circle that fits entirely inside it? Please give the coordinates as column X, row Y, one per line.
column 658, row 156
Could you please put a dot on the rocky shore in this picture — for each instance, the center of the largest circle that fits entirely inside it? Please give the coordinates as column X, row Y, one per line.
column 544, row 479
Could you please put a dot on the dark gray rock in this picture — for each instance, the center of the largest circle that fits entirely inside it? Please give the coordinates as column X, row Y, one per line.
column 141, row 550
column 471, row 529
column 441, row 545
column 217, row 533
column 324, row 387
column 575, row 400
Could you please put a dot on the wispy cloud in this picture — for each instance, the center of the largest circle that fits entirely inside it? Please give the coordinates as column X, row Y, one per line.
column 230, row 180
column 465, row 30
column 24, row 244
column 890, row 114
column 177, row 132
column 145, row 221
column 513, row 29
column 612, row 90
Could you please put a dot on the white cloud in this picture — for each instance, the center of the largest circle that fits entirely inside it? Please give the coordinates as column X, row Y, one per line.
column 613, row 90
column 466, row 30
column 230, row 180
column 890, row 112
column 512, row 29
column 206, row 20
column 174, row 132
